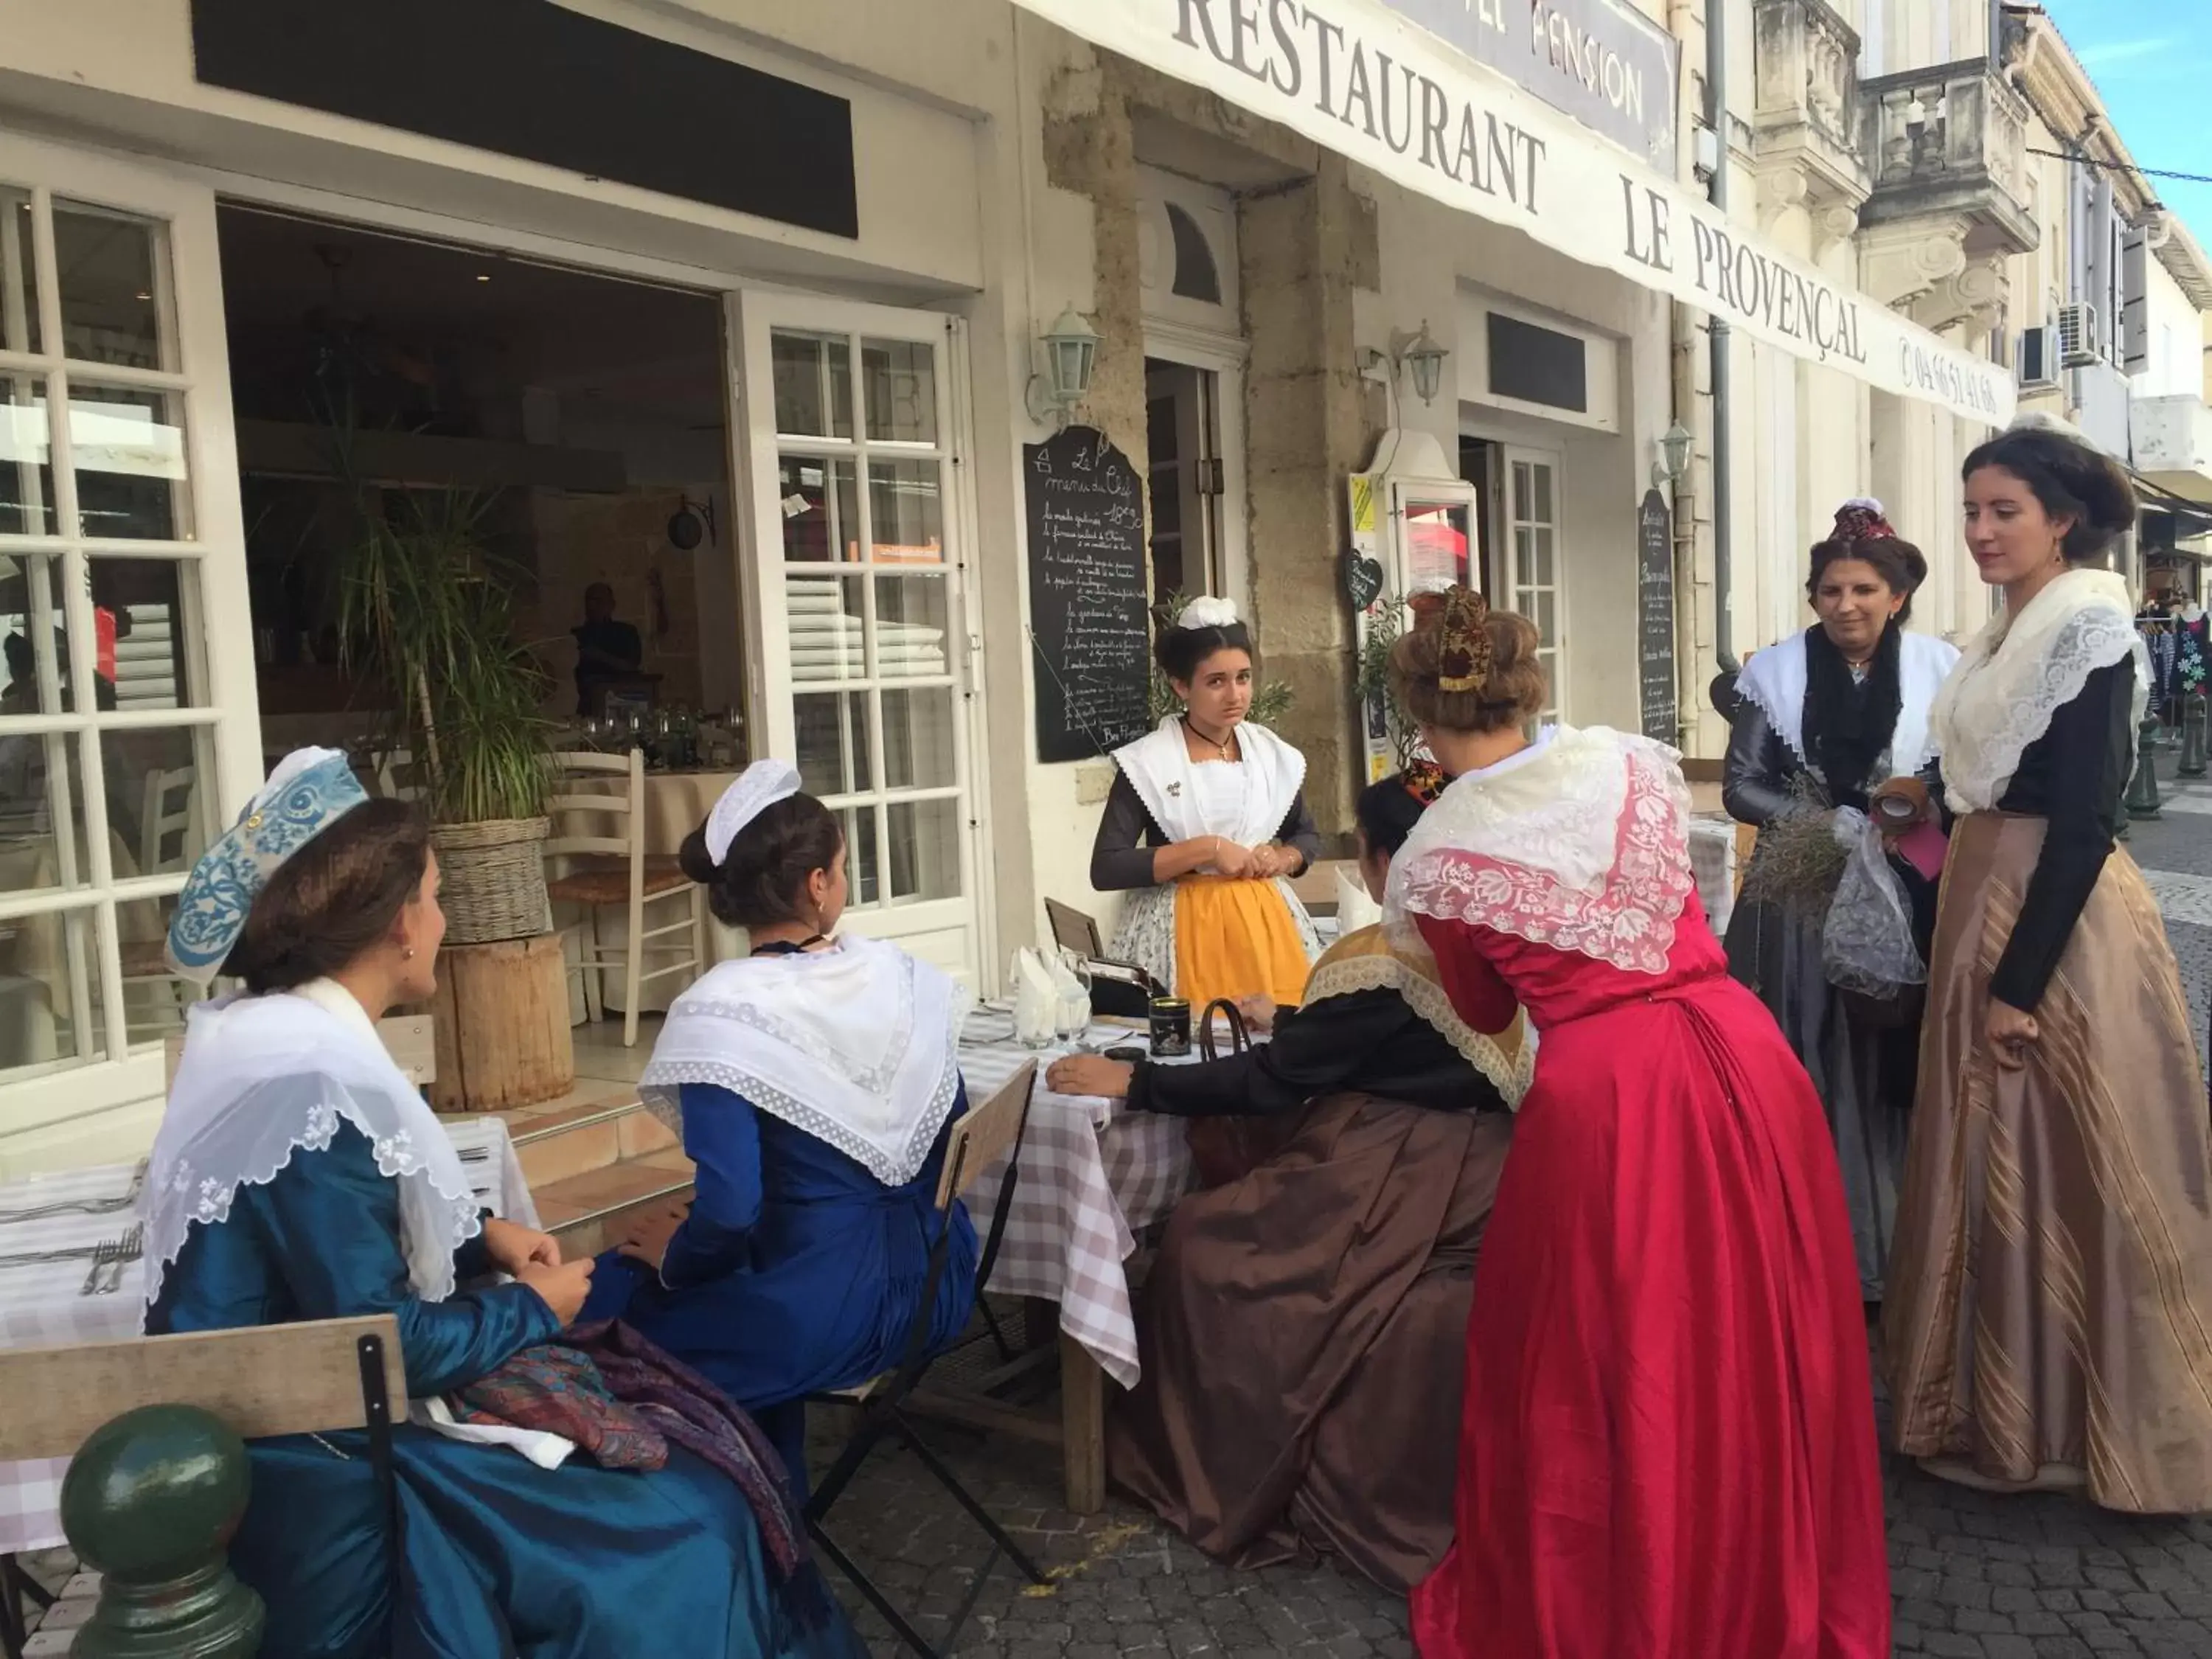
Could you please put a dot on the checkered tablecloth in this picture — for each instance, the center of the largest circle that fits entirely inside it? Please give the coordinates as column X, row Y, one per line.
column 43, row 1305
column 1092, row 1175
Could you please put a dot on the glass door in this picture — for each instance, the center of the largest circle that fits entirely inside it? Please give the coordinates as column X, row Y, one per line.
column 124, row 738
column 862, row 643
column 1533, row 585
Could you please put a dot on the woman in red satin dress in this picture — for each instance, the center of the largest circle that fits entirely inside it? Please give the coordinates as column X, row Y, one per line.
column 1668, row 1446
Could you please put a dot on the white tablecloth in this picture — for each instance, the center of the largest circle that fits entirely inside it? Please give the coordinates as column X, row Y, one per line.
column 43, row 1305
column 1092, row 1175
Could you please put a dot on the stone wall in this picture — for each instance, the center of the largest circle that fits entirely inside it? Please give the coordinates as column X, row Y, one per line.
column 1307, row 241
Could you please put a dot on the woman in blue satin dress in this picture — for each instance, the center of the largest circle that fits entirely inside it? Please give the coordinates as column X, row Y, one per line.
column 298, row 1176
column 815, row 1085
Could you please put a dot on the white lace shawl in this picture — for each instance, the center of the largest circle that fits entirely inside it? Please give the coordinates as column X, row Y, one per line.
column 1580, row 842
column 1160, row 769
column 1776, row 678
column 859, row 1046
column 265, row 1076
column 2020, row 670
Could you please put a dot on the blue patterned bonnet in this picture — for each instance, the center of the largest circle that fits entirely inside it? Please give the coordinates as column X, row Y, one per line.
column 310, row 790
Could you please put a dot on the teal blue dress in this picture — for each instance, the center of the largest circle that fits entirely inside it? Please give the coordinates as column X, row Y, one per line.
column 797, row 1270
column 499, row 1556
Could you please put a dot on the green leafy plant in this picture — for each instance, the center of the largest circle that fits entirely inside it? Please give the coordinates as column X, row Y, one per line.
column 1271, row 699
column 428, row 610
column 1384, row 621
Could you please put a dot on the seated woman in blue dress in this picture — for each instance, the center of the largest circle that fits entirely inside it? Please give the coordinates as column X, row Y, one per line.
column 297, row 1175
column 815, row 1085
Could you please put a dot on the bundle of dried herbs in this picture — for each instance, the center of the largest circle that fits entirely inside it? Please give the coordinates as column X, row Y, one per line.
column 1797, row 861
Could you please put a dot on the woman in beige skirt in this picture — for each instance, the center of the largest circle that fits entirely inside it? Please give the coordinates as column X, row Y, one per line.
column 2049, row 1317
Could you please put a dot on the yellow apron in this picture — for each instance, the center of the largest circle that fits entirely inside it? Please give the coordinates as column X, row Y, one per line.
column 1236, row 938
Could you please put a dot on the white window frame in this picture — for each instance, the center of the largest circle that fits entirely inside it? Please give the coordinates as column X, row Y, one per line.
column 1600, row 364
column 755, row 315
column 1556, row 648
column 80, row 1098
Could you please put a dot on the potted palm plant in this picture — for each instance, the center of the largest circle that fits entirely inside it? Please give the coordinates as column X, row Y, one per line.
column 427, row 609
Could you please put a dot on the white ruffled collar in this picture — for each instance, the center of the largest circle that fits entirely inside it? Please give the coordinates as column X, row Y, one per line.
column 263, row 1078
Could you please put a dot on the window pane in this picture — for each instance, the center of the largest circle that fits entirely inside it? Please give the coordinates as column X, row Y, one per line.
column 1524, row 556
column 127, row 448
column 106, row 262
column 913, row 633
column 50, row 1012
column 42, row 838
column 139, row 606
column 909, row 521
column 918, row 739
column 833, row 741
column 1546, row 618
column 821, row 509
column 153, row 999
column 901, row 383
column 863, row 871
column 37, row 656
column 1539, row 498
column 157, row 807
column 19, row 275
column 26, row 472
column 925, row 850
column 813, row 385
column 1547, row 569
column 827, row 628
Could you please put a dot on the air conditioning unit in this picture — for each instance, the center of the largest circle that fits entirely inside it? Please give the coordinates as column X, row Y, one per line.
column 2037, row 366
column 2080, row 342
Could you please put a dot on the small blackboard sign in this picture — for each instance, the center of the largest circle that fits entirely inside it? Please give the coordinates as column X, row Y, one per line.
column 1655, row 613
column 1089, row 601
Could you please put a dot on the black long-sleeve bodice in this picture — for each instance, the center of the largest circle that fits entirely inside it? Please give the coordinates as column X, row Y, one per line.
column 1121, row 856
column 1370, row 1042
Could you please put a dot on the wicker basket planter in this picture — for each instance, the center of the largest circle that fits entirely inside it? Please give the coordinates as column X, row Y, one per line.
column 493, row 878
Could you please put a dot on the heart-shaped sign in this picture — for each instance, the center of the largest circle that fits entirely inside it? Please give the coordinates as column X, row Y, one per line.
column 1363, row 577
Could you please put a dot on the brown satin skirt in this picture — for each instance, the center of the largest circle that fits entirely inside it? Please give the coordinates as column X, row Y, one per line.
column 1303, row 1334
column 2049, row 1320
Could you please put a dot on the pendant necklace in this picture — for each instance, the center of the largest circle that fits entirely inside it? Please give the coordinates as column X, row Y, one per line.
column 1219, row 746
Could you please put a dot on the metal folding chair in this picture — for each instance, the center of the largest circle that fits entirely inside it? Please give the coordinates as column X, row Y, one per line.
column 986, row 1132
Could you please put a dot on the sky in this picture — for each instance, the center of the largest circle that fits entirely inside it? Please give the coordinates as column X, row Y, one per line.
column 2152, row 60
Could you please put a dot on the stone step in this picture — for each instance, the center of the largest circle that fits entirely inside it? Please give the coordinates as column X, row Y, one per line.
column 586, row 1211
column 596, row 1126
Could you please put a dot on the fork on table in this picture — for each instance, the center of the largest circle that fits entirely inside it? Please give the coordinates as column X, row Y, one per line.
column 109, row 1259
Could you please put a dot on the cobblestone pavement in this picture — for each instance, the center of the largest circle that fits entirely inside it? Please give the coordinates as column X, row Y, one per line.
column 1974, row 1576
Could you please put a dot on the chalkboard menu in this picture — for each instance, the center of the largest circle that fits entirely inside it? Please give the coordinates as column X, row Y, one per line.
column 1088, row 604
column 1655, row 613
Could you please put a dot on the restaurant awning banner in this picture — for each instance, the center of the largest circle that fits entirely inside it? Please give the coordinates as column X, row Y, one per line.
column 1356, row 78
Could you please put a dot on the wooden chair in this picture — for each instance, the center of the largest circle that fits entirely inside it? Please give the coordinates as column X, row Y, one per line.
column 1073, row 930
column 321, row 1377
column 986, row 1134
column 154, row 1000
column 633, row 880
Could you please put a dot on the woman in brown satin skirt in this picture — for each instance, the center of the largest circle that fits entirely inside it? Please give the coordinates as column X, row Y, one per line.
column 1304, row 1330
column 2049, row 1317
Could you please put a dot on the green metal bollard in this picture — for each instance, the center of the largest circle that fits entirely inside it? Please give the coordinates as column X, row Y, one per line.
column 2143, row 801
column 151, row 1504
column 2194, row 713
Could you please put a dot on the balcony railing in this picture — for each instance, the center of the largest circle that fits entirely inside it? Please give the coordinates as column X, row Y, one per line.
column 1809, row 112
column 1952, row 141
column 2173, row 443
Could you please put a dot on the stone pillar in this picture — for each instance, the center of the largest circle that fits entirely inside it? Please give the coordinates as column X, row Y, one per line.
column 1305, row 248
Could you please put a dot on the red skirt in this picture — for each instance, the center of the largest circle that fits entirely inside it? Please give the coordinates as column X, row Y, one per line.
column 1667, row 1445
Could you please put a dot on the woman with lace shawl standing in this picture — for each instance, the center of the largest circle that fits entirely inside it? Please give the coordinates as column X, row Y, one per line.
column 2048, row 1321
column 1823, row 717
column 1667, row 1446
